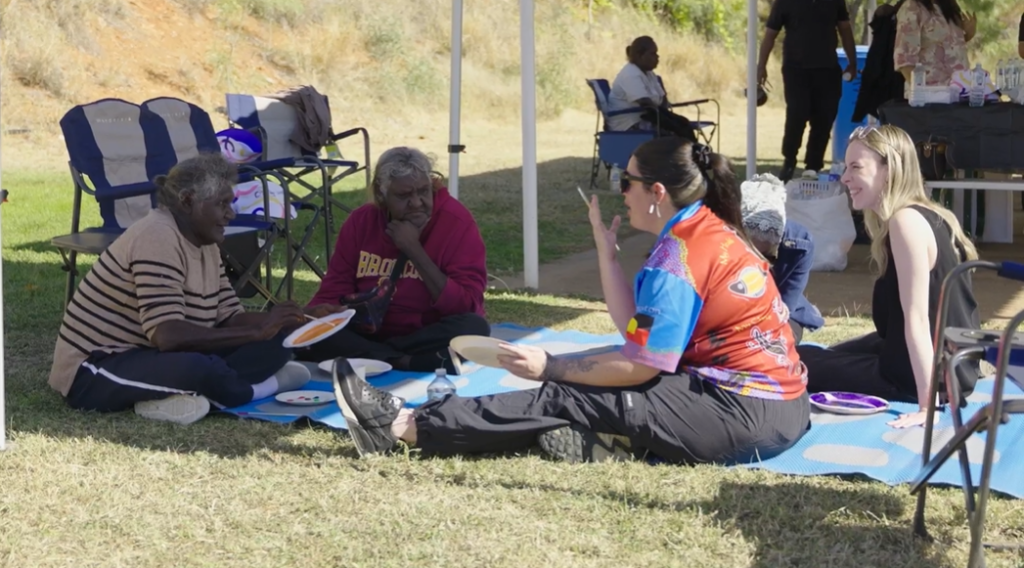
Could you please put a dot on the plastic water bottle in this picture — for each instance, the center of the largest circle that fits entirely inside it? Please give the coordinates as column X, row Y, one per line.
column 440, row 387
column 614, row 176
column 917, row 77
column 977, row 94
column 836, row 171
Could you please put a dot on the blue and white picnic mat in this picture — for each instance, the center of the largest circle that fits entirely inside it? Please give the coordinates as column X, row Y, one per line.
column 835, row 444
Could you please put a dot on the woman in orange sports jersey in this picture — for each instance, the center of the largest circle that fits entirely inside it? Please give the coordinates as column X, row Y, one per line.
column 708, row 372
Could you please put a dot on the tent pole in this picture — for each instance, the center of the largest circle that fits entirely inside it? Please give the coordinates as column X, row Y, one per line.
column 752, row 23
column 529, row 109
column 455, row 108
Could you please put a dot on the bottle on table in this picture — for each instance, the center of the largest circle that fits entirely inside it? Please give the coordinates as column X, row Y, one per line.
column 977, row 94
column 917, row 78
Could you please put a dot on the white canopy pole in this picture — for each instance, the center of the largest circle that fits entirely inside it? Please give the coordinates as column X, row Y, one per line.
column 751, row 88
column 454, row 147
column 531, row 257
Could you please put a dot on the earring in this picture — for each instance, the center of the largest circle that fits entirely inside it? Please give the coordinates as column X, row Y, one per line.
column 658, row 211
column 650, row 210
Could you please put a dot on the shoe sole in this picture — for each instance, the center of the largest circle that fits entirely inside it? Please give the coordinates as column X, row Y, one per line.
column 456, row 360
column 362, row 443
column 577, row 445
column 182, row 410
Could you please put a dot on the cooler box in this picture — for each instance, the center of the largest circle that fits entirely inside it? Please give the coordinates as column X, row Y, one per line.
column 844, row 126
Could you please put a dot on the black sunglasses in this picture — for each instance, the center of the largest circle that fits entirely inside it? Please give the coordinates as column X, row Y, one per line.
column 626, row 179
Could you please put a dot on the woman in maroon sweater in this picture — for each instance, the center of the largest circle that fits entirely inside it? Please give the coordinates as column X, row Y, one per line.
column 440, row 293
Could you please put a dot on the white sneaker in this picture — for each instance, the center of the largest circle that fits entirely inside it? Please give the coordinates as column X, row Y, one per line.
column 809, row 174
column 179, row 408
column 292, row 376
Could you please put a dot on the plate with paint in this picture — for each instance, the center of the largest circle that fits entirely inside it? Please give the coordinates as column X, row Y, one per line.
column 479, row 349
column 838, row 402
column 373, row 367
column 305, row 397
column 318, row 329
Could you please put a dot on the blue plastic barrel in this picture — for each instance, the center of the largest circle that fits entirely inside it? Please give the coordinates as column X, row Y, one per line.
column 844, row 125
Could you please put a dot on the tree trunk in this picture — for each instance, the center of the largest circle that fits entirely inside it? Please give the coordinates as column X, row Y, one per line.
column 869, row 12
column 854, row 7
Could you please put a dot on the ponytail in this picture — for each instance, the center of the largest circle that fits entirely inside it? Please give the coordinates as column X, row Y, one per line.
column 723, row 193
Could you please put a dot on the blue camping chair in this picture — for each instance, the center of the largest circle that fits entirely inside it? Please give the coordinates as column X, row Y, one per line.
column 190, row 132
column 274, row 122
column 613, row 148
column 952, row 346
column 107, row 142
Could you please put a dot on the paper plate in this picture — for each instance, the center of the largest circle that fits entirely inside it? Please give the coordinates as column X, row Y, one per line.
column 373, row 367
column 331, row 324
column 479, row 349
column 838, row 402
column 305, row 397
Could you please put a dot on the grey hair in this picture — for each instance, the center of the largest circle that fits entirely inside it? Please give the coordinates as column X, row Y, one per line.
column 400, row 162
column 204, row 176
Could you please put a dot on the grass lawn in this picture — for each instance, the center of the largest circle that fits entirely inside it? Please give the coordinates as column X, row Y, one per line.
column 115, row 490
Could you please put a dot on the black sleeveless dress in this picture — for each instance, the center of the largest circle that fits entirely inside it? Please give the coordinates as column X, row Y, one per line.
column 879, row 363
column 887, row 311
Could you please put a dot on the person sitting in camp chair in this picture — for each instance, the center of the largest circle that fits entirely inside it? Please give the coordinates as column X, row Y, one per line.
column 636, row 85
column 786, row 244
column 413, row 266
column 156, row 325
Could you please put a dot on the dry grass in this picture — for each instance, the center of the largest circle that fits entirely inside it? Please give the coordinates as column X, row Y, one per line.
column 389, row 56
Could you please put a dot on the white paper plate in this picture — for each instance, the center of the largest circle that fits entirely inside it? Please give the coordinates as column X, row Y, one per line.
column 305, row 397
column 479, row 349
column 373, row 367
column 337, row 322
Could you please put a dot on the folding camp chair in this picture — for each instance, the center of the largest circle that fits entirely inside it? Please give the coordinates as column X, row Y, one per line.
column 107, row 143
column 274, row 122
column 953, row 345
column 614, row 147
column 704, row 129
column 190, row 132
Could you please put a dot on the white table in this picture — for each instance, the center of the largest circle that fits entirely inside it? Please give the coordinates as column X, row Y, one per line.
column 999, row 201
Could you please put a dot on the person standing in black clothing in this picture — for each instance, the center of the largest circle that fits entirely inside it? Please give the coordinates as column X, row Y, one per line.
column 1020, row 37
column 811, row 75
column 915, row 243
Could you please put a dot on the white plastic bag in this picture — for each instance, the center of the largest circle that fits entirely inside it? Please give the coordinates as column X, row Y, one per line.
column 827, row 216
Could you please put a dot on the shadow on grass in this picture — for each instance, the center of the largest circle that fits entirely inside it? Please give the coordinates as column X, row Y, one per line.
column 791, row 523
column 798, row 524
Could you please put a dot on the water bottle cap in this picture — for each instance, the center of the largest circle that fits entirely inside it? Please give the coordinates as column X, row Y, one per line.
column 441, row 371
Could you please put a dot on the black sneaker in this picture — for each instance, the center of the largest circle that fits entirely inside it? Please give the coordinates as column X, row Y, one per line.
column 368, row 410
column 575, row 444
column 786, row 173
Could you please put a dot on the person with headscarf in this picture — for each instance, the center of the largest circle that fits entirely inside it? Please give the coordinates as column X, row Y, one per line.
column 786, row 244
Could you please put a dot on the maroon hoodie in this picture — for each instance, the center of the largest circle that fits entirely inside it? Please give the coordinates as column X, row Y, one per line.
column 451, row 239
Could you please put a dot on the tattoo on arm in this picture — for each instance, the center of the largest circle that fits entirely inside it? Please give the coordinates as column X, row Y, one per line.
column 557, row 368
